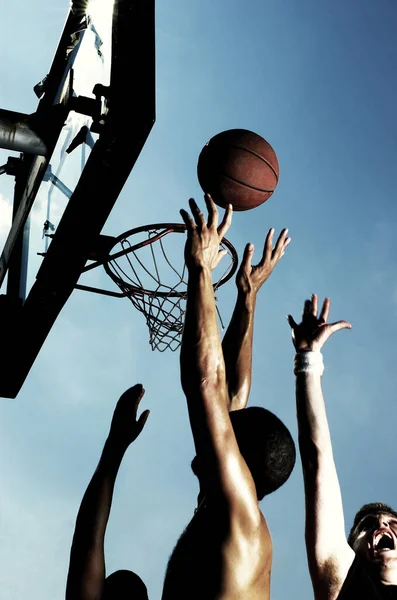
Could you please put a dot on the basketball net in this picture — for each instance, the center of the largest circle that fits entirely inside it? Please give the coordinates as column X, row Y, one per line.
column 153, row 275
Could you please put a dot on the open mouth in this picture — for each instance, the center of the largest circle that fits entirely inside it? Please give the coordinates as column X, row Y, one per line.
column 383, row 542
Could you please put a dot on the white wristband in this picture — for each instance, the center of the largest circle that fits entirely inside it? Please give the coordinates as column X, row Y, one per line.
column 308, row 362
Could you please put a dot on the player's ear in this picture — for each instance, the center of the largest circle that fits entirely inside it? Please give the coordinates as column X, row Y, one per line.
column 195, row 466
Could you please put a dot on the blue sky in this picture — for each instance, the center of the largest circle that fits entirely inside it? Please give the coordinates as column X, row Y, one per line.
column 317, row 81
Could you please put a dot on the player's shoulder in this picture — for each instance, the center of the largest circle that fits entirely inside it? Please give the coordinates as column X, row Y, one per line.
column 250, row 533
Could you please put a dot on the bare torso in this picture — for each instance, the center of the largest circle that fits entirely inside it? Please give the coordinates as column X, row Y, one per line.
column 211, row 562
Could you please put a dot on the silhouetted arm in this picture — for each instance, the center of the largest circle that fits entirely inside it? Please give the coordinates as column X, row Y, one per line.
column 86, row 576
column 329, row 555
column 224, row 472
column 238, row 339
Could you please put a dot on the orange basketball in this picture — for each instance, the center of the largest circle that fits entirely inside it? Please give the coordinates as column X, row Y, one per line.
column 238, row 167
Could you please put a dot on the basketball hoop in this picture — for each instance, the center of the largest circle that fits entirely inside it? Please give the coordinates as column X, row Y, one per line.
column 147, row 265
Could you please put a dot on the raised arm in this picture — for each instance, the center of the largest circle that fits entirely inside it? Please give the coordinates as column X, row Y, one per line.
column 238, row 339
column 86, row 577
column 223, row 470
column 329, row 555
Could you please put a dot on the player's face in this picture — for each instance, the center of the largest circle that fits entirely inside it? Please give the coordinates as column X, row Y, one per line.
column 376, row 539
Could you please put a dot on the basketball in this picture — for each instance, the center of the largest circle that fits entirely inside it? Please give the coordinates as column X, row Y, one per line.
column 238, row 167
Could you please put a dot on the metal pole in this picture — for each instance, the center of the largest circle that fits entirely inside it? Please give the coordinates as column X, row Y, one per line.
column 17, row 133
column 18, row 264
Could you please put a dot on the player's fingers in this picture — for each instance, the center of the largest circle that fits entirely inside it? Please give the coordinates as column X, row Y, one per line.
column 226, row 221
column 247, row 256
column 280, row 242
column 197, row 214
column 134, row 393
column 142, row 419
column 268, row 247
column 338, row 326
column 213, row 215
column 131, row 397
column 307, row 308
column 291, row 322
column 325, row 310
column 282, row 252
column 314, row 305
column 190, row 224
column 220, row 255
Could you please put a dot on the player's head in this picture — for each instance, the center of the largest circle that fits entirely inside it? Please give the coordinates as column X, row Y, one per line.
column 266, row 445
column 374, row 533
column 125, row 585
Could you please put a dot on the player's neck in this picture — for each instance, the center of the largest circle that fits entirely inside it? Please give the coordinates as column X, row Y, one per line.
column 385, row 574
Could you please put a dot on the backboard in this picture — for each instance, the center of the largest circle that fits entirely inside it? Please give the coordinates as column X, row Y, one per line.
column 76, row 151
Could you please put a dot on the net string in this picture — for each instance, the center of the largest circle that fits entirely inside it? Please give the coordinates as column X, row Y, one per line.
column 164, row 306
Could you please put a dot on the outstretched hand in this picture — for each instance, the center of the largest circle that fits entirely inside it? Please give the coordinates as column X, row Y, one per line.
column 312, row 333
column 125, row 426
column 250, row 277
column 204, row 237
